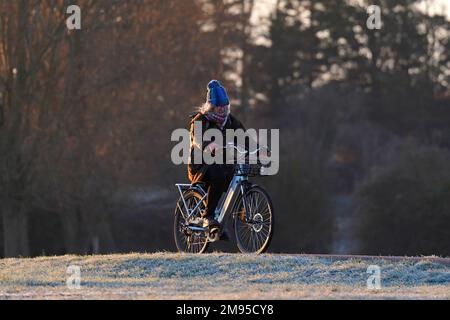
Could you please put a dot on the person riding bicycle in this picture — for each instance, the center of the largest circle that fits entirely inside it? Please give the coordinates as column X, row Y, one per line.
column 214, row 113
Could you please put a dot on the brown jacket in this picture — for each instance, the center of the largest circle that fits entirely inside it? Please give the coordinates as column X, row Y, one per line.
column 196, row 172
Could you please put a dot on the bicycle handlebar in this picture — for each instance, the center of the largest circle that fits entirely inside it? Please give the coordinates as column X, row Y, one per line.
column 241, row 151
column 243, row 168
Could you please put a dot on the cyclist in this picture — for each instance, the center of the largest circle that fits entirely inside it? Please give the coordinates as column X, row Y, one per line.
column 214, row 113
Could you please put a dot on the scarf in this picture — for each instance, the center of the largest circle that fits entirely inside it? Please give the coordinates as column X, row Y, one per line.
column 220, row 120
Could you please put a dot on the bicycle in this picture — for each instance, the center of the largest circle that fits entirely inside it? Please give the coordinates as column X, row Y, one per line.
column 247, row 204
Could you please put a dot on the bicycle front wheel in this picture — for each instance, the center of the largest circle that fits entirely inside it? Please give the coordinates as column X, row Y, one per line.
column 254, row 229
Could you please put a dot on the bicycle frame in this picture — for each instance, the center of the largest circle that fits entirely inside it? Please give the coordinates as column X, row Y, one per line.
column 235, row 188
column 187, row 186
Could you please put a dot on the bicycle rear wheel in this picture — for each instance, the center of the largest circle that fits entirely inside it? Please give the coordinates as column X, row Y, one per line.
column 187, row 240
column 253, row 235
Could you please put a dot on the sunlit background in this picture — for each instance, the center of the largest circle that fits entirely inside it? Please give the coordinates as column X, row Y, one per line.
column 86, row 118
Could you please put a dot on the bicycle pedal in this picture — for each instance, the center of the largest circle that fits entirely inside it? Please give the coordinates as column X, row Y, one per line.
column 214, row 234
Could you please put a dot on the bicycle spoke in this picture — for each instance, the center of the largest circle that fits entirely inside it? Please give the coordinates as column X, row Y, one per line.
column 243, row 228
column 254, row 205
column 261, row 202
column 263, row 234
column 247, row 237
column 246, row 233
column 254, row 238
column 257, row 242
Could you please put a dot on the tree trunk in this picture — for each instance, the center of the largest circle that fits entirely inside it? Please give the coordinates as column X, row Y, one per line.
column 15, row 232
column 70, row 223
column 245, row 25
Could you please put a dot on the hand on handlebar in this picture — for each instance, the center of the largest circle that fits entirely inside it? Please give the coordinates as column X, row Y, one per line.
column 212, row 147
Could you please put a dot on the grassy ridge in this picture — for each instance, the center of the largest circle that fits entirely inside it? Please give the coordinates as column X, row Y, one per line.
column 221, row 276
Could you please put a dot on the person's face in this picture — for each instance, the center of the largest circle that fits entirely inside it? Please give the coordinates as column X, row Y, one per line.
column 220, row 110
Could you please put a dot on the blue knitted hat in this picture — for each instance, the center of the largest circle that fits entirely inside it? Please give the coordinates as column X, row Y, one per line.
column 217, row 95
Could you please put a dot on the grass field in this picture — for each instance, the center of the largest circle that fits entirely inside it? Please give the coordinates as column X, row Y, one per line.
column 223, row 276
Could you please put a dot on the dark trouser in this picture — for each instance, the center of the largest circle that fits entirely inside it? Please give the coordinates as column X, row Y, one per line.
column 217, row 179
